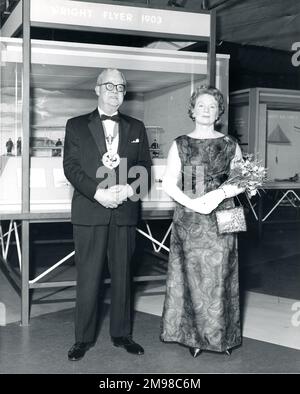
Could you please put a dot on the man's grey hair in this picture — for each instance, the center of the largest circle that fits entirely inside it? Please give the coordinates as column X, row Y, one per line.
column 100, row 76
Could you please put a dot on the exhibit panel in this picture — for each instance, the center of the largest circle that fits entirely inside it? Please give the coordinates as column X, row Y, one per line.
column 63, row 77
column 283, row 144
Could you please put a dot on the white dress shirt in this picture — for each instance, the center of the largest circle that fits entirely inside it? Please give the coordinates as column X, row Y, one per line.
column 109, row 126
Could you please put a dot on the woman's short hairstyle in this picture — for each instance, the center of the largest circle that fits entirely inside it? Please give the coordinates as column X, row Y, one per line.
column 205, row 89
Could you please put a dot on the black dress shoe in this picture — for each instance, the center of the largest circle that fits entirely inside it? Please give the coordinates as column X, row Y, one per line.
column 78, row 350
column 195, row 351
column 128, row 344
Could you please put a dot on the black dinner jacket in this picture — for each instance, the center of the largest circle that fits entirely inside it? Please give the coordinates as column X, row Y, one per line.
column 83, row 150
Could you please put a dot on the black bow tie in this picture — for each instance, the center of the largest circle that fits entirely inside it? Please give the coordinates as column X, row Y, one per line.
column 115, row 118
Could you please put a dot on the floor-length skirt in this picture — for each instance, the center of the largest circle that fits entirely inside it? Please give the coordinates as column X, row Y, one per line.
column 201, row 306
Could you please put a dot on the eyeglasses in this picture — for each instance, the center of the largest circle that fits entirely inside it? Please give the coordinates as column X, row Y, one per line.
column 111, row 87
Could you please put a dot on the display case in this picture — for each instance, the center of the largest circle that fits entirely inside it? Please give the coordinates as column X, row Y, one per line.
column 63, row 77
column 266, row 122
column 43, row 83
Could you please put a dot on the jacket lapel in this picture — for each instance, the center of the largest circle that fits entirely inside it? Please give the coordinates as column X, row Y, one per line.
column 123, row 136
column 95, row 126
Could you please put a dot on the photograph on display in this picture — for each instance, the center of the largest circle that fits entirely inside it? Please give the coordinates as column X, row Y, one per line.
column 283, row 145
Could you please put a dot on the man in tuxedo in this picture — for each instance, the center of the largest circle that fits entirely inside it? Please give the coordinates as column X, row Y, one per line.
column 100, row 147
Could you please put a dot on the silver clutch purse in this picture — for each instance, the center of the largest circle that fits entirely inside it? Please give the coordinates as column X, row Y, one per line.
column 231, row 220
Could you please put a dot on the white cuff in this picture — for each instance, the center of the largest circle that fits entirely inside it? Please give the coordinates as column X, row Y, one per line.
column 130, row 191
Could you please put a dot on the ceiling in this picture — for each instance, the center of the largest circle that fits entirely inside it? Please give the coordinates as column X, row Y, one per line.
column 265, row 23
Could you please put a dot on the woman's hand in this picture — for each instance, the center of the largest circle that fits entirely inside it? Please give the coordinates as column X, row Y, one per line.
column 232, row 190
column 207, row 203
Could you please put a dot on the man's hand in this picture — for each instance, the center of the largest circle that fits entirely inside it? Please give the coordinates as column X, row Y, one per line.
column 122, row 192
column 107, row 198
column 114, row 196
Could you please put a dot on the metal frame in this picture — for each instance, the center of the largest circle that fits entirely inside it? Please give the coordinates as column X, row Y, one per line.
column 13, row 228
column 26, row 217
column 261, row 216
column 5, row 242
column 285, row 195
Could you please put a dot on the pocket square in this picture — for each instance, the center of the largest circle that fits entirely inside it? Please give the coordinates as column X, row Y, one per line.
column 136, row 141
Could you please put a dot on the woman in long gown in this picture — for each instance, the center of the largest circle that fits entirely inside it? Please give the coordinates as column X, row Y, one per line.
column 201, row 308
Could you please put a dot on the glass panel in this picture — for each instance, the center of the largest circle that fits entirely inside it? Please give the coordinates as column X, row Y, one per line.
column 63, row 78
column 238, row 125
column 10, row 135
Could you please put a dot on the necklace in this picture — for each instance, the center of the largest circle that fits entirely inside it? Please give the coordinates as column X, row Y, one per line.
column 110, row 159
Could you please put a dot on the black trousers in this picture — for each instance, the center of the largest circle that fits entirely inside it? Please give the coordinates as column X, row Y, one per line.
column 92, row 245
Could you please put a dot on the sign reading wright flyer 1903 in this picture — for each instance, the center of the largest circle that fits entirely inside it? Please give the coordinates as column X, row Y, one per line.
column 118, row 17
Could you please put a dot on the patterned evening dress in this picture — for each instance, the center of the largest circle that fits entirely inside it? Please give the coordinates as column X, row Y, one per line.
column 201, row 307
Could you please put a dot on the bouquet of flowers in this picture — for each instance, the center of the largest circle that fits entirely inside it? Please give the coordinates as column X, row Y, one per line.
column 247, row 173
